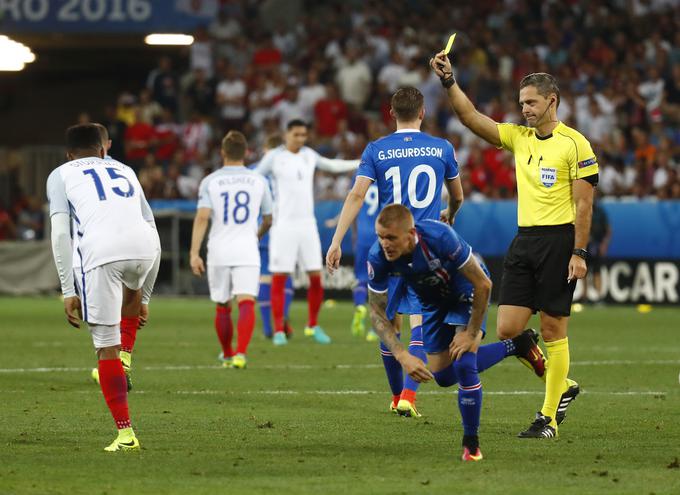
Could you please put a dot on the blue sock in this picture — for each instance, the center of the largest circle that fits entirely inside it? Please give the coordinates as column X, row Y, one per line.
column 290, row 292
column 360, row 293
column 446, row 377
column 264, row 302
column 416, row 349
column 469, row 392
column 490, row 354
column 395, row 376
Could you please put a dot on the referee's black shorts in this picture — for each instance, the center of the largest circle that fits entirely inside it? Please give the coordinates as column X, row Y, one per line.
column 536, row 267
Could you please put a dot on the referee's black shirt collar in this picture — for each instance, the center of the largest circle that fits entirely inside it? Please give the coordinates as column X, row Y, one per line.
column 543, row 138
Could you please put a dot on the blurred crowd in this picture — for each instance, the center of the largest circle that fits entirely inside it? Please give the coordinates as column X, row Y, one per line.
column 617, row 63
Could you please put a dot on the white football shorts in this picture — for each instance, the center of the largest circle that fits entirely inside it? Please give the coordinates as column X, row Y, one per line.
column 291, row 243
column 226, row 282
column 101, row 289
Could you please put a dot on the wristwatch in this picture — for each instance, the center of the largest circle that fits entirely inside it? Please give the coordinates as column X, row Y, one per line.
column 581, row 253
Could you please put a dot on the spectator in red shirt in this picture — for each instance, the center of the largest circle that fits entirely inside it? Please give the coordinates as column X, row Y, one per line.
column 140, row 138
column 167, row 136
column 480, row 179
column 328, row 111
column 267, row 55
column 504, row 179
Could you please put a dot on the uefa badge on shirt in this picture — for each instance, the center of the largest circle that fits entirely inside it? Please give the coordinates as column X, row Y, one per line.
column 369, row 268
column 548, row 176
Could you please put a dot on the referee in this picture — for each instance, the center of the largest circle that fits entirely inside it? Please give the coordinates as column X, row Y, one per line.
column 556, row 173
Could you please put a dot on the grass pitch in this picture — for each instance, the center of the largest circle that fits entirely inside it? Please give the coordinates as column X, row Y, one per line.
column 313, row 419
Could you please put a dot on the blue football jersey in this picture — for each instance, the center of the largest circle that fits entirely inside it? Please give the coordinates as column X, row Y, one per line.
column 431, row 271
column 409, row 167
column 366, row 235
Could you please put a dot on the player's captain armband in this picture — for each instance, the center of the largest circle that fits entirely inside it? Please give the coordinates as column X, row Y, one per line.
column 587, row 163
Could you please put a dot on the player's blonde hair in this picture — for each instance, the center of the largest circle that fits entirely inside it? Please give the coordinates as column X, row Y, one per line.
column 395, row 214
column 234, row 146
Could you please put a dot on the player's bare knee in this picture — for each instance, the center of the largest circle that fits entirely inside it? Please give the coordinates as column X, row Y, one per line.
column 110, row 352
column 438, row 361
column 504, row 332
column 553, row 327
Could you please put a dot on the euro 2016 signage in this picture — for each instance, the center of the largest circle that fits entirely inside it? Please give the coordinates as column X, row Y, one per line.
column 122, row 16
column 637, row 282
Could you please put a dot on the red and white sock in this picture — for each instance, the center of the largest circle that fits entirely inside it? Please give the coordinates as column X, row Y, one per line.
column 278, row 300
column 314, row 299
column 128, row 332
column 246, row 323
column 225, row 329
column 114, row 388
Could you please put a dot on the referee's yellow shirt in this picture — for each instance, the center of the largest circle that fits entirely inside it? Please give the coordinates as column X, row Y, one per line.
column 545, row 168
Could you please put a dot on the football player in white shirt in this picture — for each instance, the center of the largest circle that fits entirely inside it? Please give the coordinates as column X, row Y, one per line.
column 232, row 197
column 129, row 323
column 118, row 248
column 294, row 237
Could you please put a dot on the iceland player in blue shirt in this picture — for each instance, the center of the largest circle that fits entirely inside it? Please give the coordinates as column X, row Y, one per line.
column 453, row 290
column 409, row 167
column 365, row 237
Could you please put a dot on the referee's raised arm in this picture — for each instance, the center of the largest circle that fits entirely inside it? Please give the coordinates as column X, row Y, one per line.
column 482, row 125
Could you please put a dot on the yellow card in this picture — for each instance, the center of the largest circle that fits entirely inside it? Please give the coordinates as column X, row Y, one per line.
column 452, row 38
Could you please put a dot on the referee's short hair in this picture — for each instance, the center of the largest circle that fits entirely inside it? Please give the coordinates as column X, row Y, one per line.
column 407, row 103
column 234, row 146
column 545, row 84
column 83, row 137
column 395, row 214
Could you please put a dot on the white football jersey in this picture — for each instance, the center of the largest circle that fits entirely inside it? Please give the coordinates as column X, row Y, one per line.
column 293, row 182
column 236, row 197
column 105, row 199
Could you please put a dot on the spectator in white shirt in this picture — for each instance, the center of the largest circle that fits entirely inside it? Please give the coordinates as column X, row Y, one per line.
column 310, row 93
column 231, row 97
column 354, row 80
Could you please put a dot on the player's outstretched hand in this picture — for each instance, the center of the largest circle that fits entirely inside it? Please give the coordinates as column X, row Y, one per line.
column 72, row 310
column 465, row 341
column 441, row 64
column 143, row 315
column 415, row 367
column 197, row 265
column 333, row 258
column 577, row 268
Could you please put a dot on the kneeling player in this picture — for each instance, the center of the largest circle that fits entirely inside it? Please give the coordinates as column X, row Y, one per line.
column 232, row 197
column 432, row 260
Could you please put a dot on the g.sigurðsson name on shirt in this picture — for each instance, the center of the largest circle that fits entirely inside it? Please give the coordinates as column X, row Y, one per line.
column 410, row 152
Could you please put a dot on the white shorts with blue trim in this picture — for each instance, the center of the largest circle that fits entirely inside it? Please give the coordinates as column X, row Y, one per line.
column 101, row 289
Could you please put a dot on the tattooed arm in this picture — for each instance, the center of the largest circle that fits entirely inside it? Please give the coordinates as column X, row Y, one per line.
column 415, row 367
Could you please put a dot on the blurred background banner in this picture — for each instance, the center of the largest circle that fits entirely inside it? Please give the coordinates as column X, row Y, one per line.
column 105, row 16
